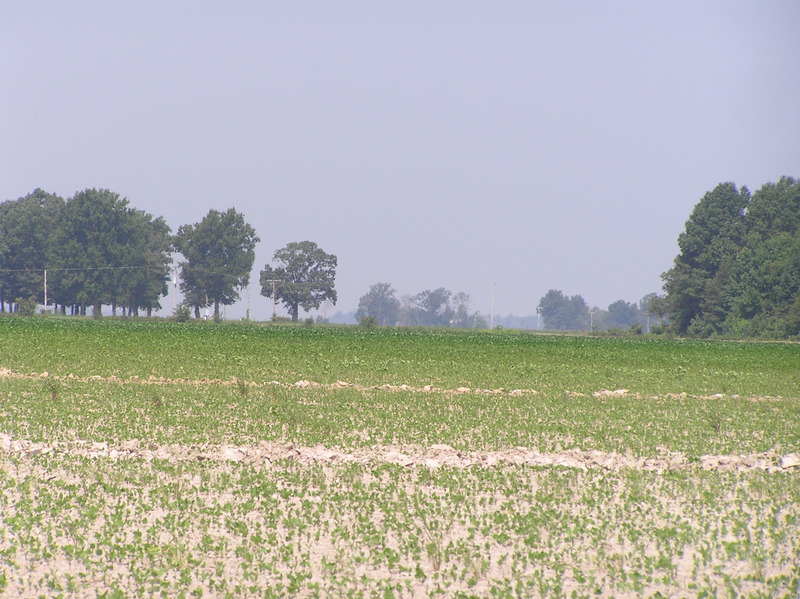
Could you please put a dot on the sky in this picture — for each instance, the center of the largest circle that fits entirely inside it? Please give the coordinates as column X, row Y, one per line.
column 501, row 149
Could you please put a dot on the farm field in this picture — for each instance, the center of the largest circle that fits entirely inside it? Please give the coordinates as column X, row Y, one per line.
column 145, row 458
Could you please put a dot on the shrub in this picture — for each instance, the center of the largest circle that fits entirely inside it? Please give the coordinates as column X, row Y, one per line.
column 368, row 322
column 27, row 307
column 182, row 313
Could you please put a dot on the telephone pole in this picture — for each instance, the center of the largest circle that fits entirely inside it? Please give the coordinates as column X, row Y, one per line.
column 274, row 282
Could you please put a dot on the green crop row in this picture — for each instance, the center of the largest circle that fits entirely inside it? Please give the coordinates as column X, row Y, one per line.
column 449, row 359
column 191, row 414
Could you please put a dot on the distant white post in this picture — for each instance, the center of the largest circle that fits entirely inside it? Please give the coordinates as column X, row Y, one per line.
column 45, row 290
column 491, row 309
column 174, row 288
column 273, row 281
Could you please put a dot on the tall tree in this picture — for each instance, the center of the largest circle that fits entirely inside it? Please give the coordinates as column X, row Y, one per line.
column 380, row 303
column 434, row 307
column 98, row 249
column 564, row 313
column 149, row 256
column 775, row 209
column 27, row 226
column 219, row 252
column 622, row 315
column 460, row 306
column 714, row 234
column 304, row 278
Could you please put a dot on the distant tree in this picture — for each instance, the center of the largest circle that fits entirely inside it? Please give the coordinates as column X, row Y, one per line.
column 380, row 303
column 219, row 252
column 27, row 226
column 101, row 247
column 695, row 286
column 304, row 279
column 650, row 311
column 461, row 316
column 149, row 257
column 434, row 307
column 622, row 315
column 564, row 313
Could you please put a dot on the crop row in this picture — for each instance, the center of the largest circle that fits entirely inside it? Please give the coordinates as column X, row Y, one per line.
column 62, row 410
column 99, row 527
column 447, row 359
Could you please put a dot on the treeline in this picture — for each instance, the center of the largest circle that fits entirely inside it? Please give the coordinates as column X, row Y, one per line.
column 95, row 250
column 431, row 307
column 738, row 270
column 556, row 311
column 560, row 312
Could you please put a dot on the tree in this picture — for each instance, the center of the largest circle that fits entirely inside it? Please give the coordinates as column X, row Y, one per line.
column 380, row 303
column 219, row 252
column 149, row 256
column 304, row 279
column 564, row 313
column 101, row 247
column 622, row 315
column 714, row 234
column 775, row 209
column 27, row 226
column 434, row 307
column 460, row 307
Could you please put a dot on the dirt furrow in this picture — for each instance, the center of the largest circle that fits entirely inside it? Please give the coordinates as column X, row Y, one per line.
column 435, row 456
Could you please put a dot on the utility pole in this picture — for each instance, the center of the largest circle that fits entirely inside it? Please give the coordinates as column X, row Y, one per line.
column 174, row 288
column 491, row 309
column 274, row 282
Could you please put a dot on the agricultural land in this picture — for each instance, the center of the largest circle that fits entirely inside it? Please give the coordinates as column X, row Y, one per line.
column 159, row 459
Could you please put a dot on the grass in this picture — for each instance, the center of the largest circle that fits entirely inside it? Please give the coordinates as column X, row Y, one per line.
column 79, row 524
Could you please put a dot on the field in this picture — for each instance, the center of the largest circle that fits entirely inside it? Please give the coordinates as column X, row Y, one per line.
column 157, row 459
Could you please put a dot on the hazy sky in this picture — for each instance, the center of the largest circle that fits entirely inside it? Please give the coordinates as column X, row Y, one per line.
column 534, row 145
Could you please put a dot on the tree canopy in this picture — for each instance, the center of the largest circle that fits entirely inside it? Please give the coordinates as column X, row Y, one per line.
column 379, row 303
column 96, row 249
column 304, row 278
column 738, row 270
column 27, row 227
column 219, row 252
column 564, row 313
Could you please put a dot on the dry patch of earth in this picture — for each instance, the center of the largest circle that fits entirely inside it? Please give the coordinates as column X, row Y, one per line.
column 434, row 456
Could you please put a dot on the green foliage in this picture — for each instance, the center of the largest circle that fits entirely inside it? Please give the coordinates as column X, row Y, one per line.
column 108, row 253
column 183, row 313
column 304, row 279
column 380, row 304
column 368, row 322
column 27, row 228
column 219, row 252
column 564, row 313
column 738, row 272
column 27, row 307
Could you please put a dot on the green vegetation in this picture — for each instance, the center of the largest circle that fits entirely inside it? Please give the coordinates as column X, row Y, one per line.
column 738, row 271
column 447, row 359
column 199, row 459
